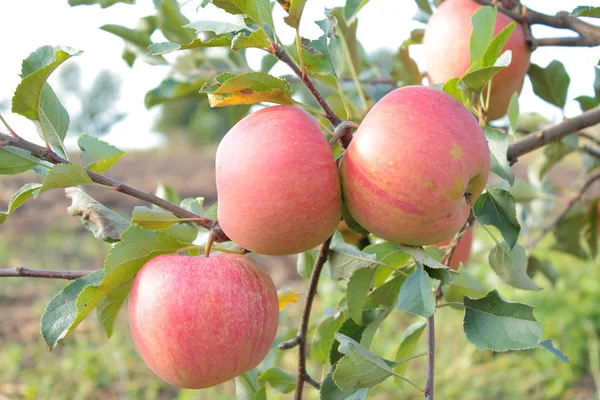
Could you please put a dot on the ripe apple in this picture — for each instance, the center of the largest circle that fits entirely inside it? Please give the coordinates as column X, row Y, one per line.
column 199, row 321
column 447, row 51
column 417, row 163
column 463, row 249
column 277, row 182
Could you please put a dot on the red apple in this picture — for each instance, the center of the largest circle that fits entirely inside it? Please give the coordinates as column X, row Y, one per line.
column 277, row 182
column 417, row 163
column 463, row 249
column 447, row 51
column 198, row 321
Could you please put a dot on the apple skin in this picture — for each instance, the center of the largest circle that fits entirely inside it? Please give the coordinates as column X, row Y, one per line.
column 199, row 321
column 463, row 249
column 277, row 182
column 412, row 160
column 447, row 51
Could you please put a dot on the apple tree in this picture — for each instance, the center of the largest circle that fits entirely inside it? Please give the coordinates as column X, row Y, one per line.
column 376, row 181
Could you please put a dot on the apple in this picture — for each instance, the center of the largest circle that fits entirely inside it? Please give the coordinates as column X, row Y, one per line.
column 277, row 182
column 447, row 51
column 201, row 321
column 417, row 163
column 462, row 251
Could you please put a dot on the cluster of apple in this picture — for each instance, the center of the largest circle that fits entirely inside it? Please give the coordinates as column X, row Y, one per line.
column 415, row 166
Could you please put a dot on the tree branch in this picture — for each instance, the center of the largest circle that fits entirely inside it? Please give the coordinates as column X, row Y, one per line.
column 300, row 338
column 38, row 273
column 329, row 114
column 554, row 133
column 550, row 227
column 50, row 156
column 588, row 34
column 430, row 357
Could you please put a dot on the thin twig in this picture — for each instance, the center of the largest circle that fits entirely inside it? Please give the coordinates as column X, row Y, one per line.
column 50, row 156
column 589, row 137
column 38, row 273
column 552, row 134
column 10, row 130
column 430, row 358
column 550, row 227
column 300, row 339
column 589, row 35
column 284, row 57
column 592, row 151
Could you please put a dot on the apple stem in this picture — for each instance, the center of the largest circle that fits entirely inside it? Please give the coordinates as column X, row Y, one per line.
column 209, row 243
column 10, row 130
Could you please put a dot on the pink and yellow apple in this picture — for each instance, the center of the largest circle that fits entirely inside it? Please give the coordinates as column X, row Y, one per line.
column 277, row 182
column 447, row 51
column 463, row 249
column 416, row 164
column 199, row 321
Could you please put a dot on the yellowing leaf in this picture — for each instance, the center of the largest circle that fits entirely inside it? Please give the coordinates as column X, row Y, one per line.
column 248, row 88
column 287, row 296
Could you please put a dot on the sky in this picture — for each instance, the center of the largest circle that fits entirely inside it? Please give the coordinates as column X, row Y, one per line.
column 26, row 25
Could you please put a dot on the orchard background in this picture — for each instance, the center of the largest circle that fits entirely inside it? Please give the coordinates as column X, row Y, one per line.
column 121, row 101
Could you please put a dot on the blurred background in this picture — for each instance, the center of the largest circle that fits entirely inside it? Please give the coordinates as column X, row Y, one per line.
column 141, row 104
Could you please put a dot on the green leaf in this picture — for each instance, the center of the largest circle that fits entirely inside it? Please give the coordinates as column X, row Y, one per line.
column 65, row 175
column 587, row 103
column 156, row 49
column 96, row 154
column 550, row 83
column 352, row 8
column 386, row 295
column 511, row 266
column 137, row 246
column 408, row 344
column 553, row 153
column 357, row 290
column 324, row 337
column 359, row 368
column 416, row 294
column 19, row 198
column 586, row 11
column 294, row 11
column 54, row 121
column 247, row 88
column 168, row 193
column 464, row 285
column 108, row 309
column 590, row 229
column 405, row 70
column 547, row 344
column 329, row 390
column 280, row 380
column 232, row 23
column 422, row 256
column 305, row 264
column 500, row 325
column 513, row 113
column 349, row 328
column 346, row 30
column 545, row 267
column 248, row 388
column 344, row 258
column 103, row 222
column 484, row 21
column 153, row 219
column 62, row 309
column 477, row 76
column 136, row 43
column 445, row 276
column 570, row 231
column 498, row 144
column 258, row 11
column 170, row 89
column 458, row 90
column 15, row 161
column 257, row 39
column 172, row 23
column 494, row 49
column 389, row 253
column 497, row 207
